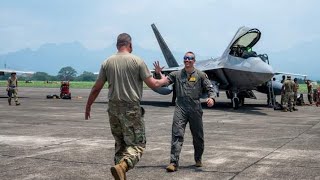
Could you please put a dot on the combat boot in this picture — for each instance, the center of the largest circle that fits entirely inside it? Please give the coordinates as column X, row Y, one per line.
column 119, row 171
column 17, row 103
column 285, row 110
column 171, row 167
column 295, row 109
column 198, row 164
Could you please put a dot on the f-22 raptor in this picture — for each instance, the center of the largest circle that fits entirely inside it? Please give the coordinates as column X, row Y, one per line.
column 238, row 71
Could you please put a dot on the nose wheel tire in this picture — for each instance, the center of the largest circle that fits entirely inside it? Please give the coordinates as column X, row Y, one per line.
column 235, row 103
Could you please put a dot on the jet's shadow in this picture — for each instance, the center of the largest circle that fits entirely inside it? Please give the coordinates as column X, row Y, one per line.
column 254, row 109
column 145, row 103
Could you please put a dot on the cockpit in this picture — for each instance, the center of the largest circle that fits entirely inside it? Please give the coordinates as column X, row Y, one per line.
column 242, row 46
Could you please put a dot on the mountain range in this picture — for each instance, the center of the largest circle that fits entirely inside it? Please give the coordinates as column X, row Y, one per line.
column 50, row 58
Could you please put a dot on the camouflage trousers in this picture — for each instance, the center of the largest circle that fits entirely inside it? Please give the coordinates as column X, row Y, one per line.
column 288, row 100
column 12, row 92
column 128, row 130
column 187, row 111
column 310, row 98
column 295, row 97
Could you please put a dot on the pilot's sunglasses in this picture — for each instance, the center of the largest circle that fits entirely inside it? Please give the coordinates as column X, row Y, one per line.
column 190, row 58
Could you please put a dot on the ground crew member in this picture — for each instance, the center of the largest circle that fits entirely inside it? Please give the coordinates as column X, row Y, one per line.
column 282, row 93
column 295, row 93
column 189, row 84
column 309, row 87
column 287, row 89
column 12, row 88
column 125, row 74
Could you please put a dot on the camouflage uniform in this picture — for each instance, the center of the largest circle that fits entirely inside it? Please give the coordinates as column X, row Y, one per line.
column 282, row 93
column 309, row 87
column 127, row 127
column 125, row 73
column 288, row 94
column 295, row 93
column 12, row 90
column 188, row 108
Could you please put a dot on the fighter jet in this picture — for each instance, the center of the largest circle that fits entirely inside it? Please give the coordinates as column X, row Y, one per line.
column 238, row 71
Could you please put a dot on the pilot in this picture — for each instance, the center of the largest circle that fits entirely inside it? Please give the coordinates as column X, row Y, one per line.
column 189, row 83
column 12, row 88
column 287, row 89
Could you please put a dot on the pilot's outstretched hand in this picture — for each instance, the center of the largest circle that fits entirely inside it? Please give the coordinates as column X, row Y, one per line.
column 157, row 67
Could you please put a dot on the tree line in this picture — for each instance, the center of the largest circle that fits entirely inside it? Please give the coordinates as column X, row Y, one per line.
column 65, row 74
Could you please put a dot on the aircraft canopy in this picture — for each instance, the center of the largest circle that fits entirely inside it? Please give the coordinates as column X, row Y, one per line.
column 248, row 39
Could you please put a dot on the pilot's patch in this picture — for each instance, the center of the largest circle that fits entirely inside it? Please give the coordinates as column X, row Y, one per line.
column 192, row 79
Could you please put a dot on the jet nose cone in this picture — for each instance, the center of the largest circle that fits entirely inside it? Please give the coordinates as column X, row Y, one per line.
column 262, row 67
column 264, row 72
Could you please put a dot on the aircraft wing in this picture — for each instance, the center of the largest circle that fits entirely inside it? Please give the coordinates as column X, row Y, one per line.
column 292, row 74
column 208, row 65
column 169, row 69
column 2, row 71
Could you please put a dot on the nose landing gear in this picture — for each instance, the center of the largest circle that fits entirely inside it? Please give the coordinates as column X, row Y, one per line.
column 236, row 100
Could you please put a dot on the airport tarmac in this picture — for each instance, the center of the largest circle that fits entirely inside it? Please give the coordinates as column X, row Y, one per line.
column 49, row 139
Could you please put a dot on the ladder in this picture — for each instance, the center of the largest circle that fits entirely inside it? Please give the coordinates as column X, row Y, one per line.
column 272, row 98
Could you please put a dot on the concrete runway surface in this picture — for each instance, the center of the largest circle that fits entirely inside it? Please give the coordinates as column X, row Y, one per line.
column 49, row 139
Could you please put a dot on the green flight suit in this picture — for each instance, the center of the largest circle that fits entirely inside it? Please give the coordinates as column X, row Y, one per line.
column 189, row 88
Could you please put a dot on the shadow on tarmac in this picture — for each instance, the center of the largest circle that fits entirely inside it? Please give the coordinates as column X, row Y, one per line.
column 254, row 109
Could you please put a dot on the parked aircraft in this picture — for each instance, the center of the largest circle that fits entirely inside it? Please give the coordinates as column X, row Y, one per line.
column 3, row 71
column 238, row 71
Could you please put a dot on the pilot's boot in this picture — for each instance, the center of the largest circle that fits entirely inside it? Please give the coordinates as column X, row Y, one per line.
column 119, row 171
column 198, row 164
column 17, row 103
column 285, row 109
column 295, row 109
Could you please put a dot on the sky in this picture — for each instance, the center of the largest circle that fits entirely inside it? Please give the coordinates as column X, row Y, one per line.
column 203, row 26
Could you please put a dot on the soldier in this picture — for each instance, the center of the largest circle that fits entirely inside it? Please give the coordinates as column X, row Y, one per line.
column 12, row 88
column 125, row 74
column 295, row 93
column 189, row 83
column 287, row 90
column 283, row 79
column 282, row 93
column 309, row 87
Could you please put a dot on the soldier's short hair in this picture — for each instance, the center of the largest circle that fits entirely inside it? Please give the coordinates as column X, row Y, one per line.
column 288, row 77
column 295, row 79
column 123, row 39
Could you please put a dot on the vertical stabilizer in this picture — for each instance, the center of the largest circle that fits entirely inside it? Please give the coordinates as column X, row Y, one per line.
column 171, row 61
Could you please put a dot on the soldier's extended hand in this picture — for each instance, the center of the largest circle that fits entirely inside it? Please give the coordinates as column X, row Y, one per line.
column 210, row 102
column 157, row 67
column 87, row 113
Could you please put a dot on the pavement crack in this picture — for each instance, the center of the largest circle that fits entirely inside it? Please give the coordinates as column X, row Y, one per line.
column 290, row 140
